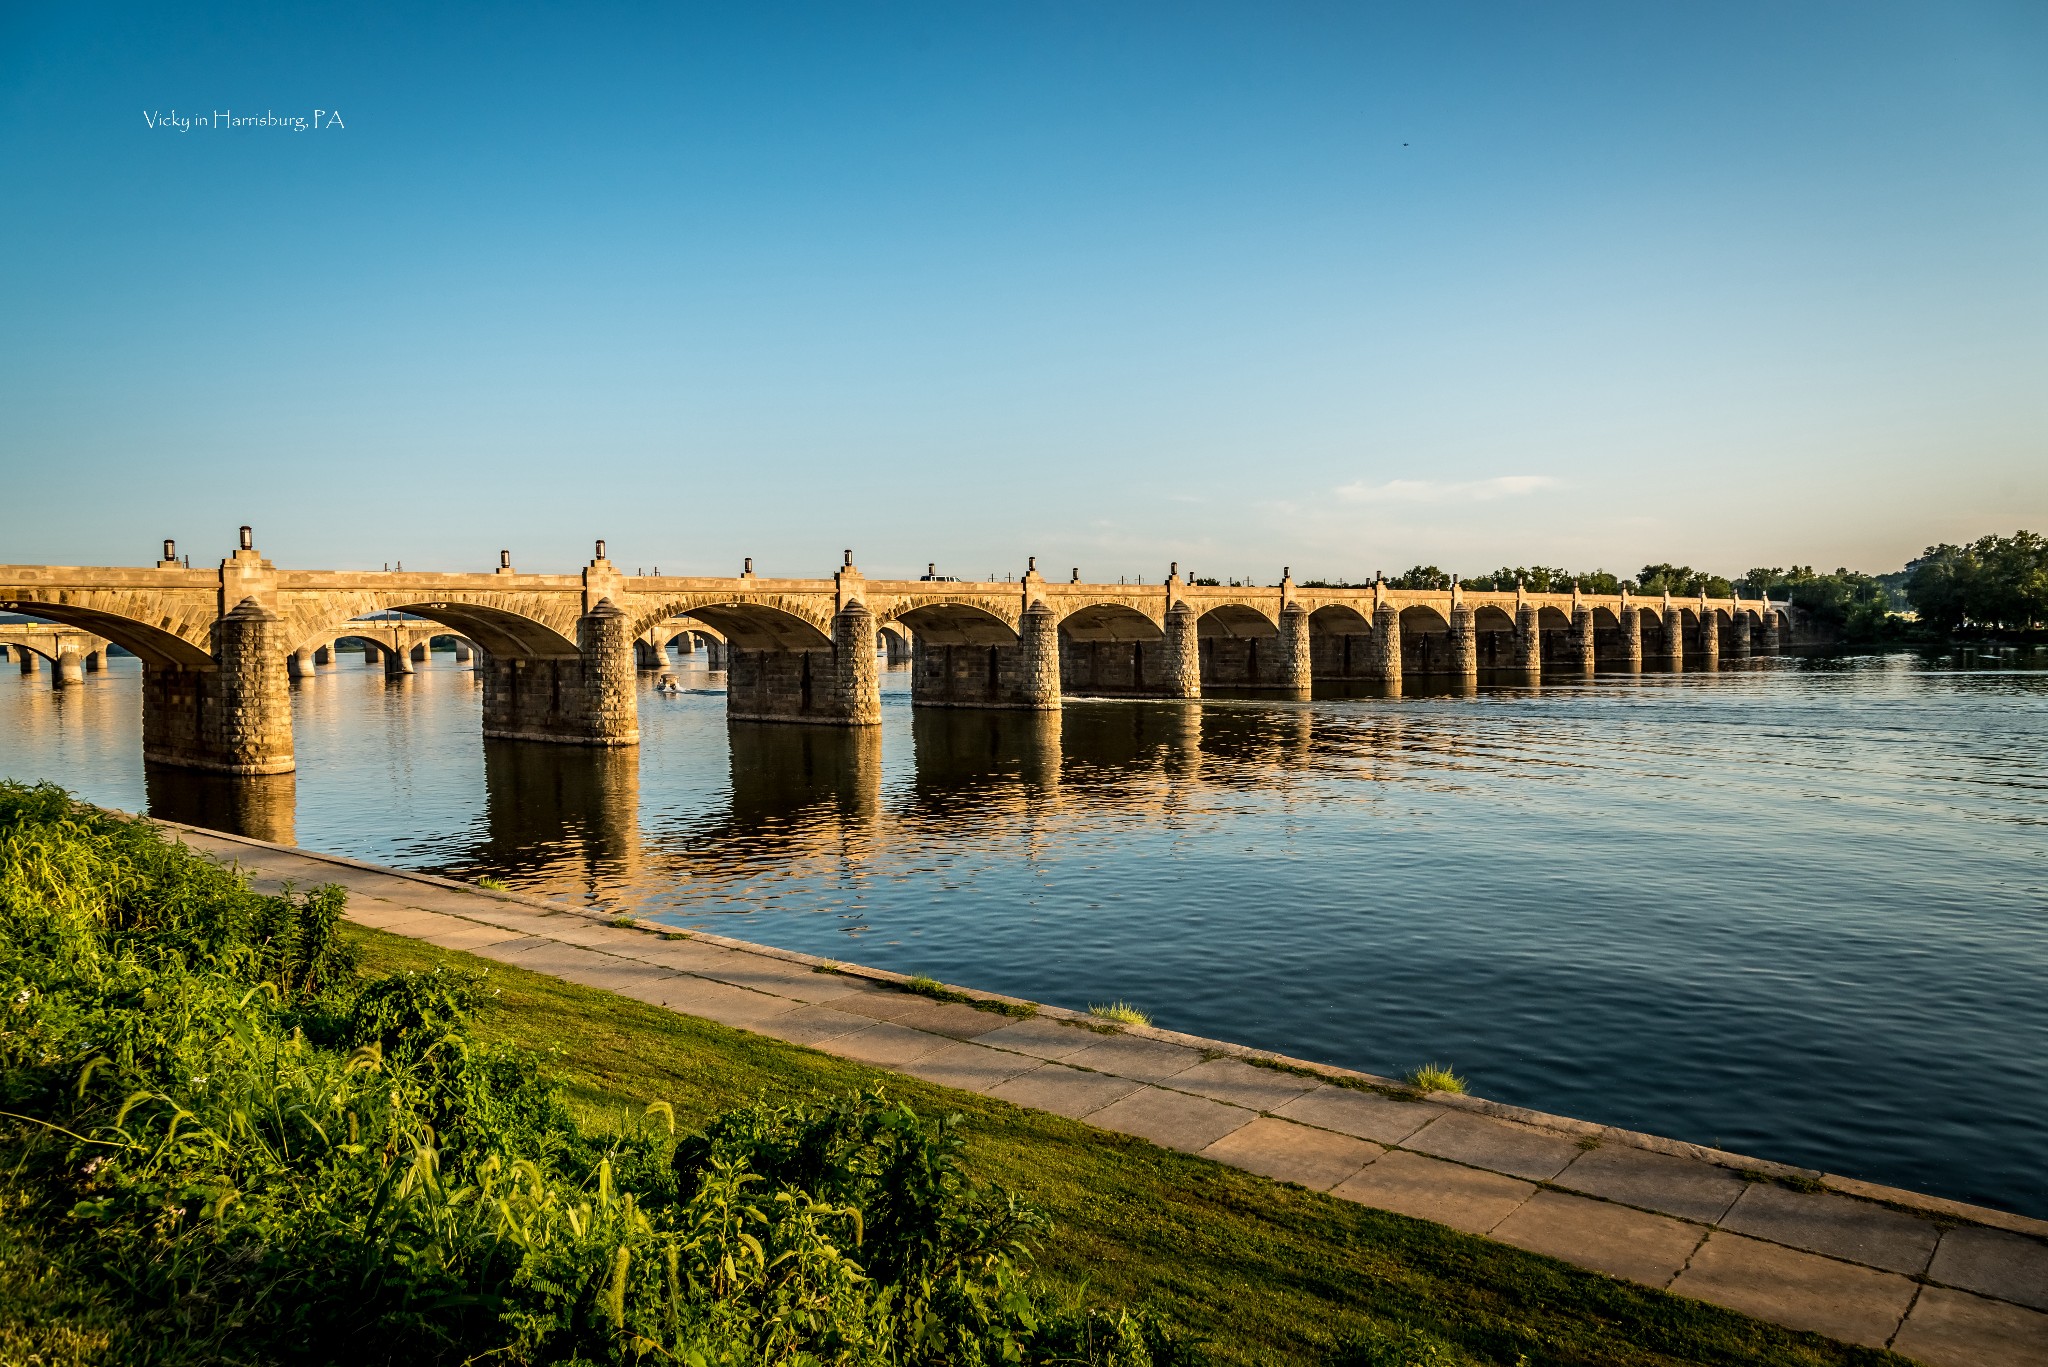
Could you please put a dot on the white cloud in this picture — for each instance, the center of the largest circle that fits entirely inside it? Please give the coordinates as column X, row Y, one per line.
column 1442, row 491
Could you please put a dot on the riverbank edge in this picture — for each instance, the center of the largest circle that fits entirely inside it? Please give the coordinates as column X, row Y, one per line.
column 1921, row 1203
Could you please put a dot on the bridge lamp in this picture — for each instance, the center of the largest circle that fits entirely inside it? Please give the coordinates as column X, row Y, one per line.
column 170, row 549
column 600, row 548
column 504, row 560
column 248, row 539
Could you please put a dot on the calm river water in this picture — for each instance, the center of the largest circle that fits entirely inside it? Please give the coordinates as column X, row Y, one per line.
column 1799, row 911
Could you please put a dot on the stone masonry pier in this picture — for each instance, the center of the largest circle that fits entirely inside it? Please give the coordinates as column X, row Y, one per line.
column 1941, row 1282
column 557, row 654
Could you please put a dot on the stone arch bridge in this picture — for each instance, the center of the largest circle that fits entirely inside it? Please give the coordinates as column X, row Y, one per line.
column 557, row 652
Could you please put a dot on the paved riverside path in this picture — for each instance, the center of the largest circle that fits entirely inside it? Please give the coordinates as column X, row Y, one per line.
column 1946, row 1283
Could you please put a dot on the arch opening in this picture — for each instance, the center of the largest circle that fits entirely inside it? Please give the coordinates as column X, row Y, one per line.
column 1110, row 622
column 1423, row 619
column 505, row 635
column 954, row 624
column 1235, row 621
column 153, row 645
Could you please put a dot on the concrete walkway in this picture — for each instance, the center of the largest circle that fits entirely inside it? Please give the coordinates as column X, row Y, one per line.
column 1949, row 1284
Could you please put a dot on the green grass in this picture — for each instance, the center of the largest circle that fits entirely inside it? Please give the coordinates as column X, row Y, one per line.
column 1270, row 1274
column 1434, row 1077
column 939, row 992
column 492, row 885
column 1123, row 1013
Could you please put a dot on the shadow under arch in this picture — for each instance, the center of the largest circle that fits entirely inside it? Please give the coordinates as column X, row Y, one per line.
column 153, row 645
column 1239, row 647
column 1340, row 643
column 1108, row 648
column 497, row 632
column 747, row 626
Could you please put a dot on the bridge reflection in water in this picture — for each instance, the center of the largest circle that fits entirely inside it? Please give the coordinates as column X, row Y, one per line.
column 803, row 802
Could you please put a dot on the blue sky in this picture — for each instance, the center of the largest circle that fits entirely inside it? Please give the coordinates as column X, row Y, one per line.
column 1341, row 287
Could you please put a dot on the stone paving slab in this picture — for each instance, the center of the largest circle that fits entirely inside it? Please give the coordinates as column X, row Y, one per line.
column 970, row 1067
column 884, row 1044
column 1130, row 1056
column 1955, row 1329
column 1821, row 1260
column 722, row 1002
column 1042, row 1038
column 467, row 936
column 921, row 1013
column 1497, row 1145
column 1366, row 1115
column 1835, row 1225
column 1065, row 1091
column 1601, row 1235
column 1287, row 1152
column 1655, row 1181
column 1240, row 1084
column 1431, row 1189
column 1798, row 1290
column 1994, row 1263
column 812, row 1023
column 1172, row 1120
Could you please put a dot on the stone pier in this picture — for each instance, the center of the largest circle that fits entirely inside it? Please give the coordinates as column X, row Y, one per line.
column 1019, row 674
column 1528, row 659
column 1674, row 637
column 1386, row 630
column 835, row 682
column 232, row 717
column 585, row 699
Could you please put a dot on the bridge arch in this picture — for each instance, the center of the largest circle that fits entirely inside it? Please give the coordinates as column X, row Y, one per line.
column 1424, row 618
column 501, row 632
column 1339, row 619
column 746, row 623
column 1236, row 621
column 1491, row 617
column 951, row 624
column 162, row 645
column 1110, row 622
column 1550, row 618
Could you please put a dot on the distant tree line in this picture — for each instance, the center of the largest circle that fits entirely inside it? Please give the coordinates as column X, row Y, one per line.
column 1995, row 583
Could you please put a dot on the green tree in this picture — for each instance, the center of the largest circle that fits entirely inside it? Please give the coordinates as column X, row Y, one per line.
column 1995, row 581
column 1421, row 577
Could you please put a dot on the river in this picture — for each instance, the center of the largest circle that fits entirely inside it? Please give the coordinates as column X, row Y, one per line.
column 1798, row 910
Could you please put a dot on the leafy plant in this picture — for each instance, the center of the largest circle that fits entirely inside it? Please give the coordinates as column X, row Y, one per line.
column 228, row 1145
column 1122, row 1012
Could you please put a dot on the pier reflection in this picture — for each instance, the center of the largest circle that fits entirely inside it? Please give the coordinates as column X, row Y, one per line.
column 262, row 806
column 572, row 810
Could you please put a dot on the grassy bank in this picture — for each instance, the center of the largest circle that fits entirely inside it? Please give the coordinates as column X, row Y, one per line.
column 1263, row 1273
column 234, row 1129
